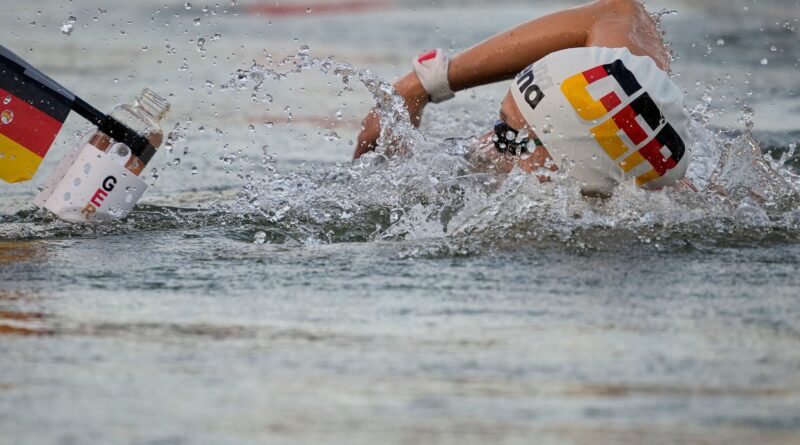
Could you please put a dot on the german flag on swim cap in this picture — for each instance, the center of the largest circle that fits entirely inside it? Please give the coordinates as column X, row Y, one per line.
column 33, row 109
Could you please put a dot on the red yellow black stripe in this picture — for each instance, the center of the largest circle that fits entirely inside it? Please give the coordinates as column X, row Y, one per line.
column 626, row 119
column 27, row 83
column 27, row 125
column 32, row 112
column 23, row 87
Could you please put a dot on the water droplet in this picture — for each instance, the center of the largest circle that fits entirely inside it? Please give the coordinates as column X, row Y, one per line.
column 773, row 49
column 216, row 37
column 187, row 5
column 194, row 170
column 720, row 42
column 259, row 238
column 6, row 117
column 68, row 25
column 176, row 162
column 331, row 136
column 7, row 100
column 201, row 44
column 197, row 21
column 765, row 61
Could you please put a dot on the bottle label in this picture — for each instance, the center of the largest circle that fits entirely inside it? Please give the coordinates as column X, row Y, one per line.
column 90, row 185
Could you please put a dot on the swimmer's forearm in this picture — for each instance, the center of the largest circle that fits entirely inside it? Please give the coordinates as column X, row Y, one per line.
column 503, row 56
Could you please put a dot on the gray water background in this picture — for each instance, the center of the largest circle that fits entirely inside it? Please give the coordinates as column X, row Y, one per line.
column 379, row 309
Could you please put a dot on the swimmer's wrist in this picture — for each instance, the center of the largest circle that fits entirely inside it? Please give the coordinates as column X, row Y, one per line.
column 411, row 88
column 432, row 71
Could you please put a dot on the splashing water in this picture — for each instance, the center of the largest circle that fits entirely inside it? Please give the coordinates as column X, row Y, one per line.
column 68, row 25
column 658, row 19
column 425, row 191
column 428, row 191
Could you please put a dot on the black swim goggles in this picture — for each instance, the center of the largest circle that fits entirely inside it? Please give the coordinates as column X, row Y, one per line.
column 505, row 139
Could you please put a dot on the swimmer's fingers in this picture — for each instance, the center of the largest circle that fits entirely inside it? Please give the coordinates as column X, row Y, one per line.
column 370, row 132
column 415, row 98
column 371, row 128
column 415, row 107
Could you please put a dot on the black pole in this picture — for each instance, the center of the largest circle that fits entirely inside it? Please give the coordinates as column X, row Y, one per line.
column 112, row 127
column 138, row 144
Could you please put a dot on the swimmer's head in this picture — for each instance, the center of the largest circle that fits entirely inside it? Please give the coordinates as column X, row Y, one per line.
column 510, row 113
column 512, row 123
column 605, row 115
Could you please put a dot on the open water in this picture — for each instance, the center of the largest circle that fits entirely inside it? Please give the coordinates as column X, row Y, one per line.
column 267, row 290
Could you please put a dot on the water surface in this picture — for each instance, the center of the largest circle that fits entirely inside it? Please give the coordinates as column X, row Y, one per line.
column 267, row 290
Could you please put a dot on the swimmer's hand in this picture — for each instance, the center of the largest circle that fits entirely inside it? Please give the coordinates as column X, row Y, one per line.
column 415, row 96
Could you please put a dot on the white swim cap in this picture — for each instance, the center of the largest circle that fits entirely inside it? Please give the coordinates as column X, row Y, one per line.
column 606, row 115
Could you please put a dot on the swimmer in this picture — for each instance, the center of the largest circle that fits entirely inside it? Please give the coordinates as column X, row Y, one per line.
column 591, row 96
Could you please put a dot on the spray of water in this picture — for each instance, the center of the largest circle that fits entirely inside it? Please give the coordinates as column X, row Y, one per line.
column 428, row 195
column 430, row 192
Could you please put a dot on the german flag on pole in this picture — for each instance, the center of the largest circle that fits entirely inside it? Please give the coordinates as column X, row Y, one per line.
column 33, row 107
column 32, row 110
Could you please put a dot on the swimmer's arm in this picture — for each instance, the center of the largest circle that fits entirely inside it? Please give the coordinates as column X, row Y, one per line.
column 503, row 56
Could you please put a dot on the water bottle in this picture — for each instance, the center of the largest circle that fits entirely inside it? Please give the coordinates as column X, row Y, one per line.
column 144, row 116
column 99, row 179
